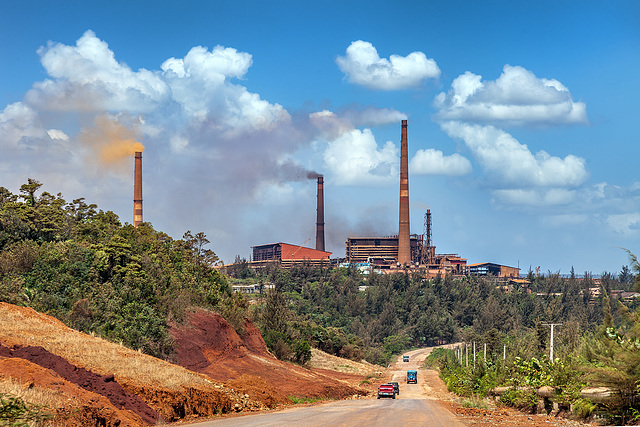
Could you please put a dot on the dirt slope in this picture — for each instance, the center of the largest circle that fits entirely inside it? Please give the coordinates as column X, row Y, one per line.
column 209, row 345
column 85, row 380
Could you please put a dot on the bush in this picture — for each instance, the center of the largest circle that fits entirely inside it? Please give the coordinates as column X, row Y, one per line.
column 16, row 412
column 301, row 351
column 277, row 343
column 521, row 398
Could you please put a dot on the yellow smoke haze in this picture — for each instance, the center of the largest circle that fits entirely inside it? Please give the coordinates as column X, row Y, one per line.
column 119, row 149
column 111, row 141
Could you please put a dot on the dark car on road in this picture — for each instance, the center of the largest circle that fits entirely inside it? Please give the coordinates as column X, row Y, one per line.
column 396, row 387
column 405, row 358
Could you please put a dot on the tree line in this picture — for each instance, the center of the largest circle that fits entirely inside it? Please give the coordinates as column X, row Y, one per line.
column 83, row 266
column 374, row 316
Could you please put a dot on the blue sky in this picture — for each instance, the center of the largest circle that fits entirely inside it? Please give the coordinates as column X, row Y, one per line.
column 522, row 120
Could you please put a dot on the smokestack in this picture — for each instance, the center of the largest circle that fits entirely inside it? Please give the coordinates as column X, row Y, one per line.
column 320, row 216
column 137, row 189
column 404, row 243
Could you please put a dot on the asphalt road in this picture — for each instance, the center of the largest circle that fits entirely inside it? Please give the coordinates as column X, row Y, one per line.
column 414, row 406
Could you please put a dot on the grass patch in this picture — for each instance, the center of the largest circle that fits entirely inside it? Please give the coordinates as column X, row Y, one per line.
column 15, row 411
column 296, row 400
column 475, row 402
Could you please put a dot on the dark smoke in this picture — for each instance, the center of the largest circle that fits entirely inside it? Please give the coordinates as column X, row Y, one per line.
column 290, row 171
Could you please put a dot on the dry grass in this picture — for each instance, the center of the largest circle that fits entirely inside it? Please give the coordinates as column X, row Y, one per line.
column 322, row 360
column 33, row 394
column 92, row 353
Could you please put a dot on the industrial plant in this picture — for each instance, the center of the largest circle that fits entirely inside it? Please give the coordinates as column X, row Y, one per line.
column 406, row 250
column 381, row 254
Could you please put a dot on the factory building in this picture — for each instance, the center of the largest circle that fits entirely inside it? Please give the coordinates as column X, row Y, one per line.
column 287, row 255
column 491, row 269
column 381, row 251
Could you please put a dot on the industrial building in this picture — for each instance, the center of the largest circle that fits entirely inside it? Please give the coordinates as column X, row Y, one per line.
column 491, row 269
column 381, row 251
column 381, row 254
column 287, row 255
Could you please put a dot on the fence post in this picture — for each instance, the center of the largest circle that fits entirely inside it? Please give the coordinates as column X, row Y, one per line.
column 466, row 348
column 474, row 354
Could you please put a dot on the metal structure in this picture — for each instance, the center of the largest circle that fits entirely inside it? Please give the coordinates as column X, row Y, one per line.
column 137, row 189
column 428, row 250
column 381, row 251
column 404, row 244
column 320, row 216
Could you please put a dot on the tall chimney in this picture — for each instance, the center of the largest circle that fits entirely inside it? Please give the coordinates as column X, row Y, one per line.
column 320, row 216
column 404, row 242
column 137, row 189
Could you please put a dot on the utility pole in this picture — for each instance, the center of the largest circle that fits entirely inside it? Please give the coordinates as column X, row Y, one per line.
column 551, row 341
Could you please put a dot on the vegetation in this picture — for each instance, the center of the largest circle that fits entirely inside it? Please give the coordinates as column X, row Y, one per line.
column 606, row 355
column 127, row 284
column 84, row 267
column 329, row 309
column 16, row 412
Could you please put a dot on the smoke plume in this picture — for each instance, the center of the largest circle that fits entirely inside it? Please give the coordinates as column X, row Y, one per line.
column 110, row 141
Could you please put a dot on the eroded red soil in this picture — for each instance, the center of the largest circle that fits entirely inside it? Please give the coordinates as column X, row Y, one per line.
column 104, row 385
column 209, row 345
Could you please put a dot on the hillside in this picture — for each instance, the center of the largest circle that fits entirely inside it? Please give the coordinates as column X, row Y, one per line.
column 208, row 345
column 85, row 380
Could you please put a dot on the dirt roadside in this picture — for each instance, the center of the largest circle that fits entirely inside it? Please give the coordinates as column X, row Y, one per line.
column 431, row 386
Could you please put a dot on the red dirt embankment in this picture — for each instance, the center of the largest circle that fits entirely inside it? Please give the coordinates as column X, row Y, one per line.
column 83, row 380
column 209, row 345
column 104, row 385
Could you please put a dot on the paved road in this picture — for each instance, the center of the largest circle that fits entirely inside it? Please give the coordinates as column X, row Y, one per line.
column 414, row 406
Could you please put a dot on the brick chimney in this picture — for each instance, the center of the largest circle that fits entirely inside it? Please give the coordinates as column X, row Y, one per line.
column 404, row 242
column 137, row 189
column 320, row 216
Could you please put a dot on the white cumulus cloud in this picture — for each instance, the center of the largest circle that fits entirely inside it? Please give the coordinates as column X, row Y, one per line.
column 363, row 66
column 434, row 162
column 517, row 97
column 627, row 223
column 87, row 77
column 511, row 162
column 355, row 158
column 19, row 126
column 352, row 156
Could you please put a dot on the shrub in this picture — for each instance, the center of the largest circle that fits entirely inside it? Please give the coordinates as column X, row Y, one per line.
column 16, row 412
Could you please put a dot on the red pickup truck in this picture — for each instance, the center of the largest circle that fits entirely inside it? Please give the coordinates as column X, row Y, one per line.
column 386, row 390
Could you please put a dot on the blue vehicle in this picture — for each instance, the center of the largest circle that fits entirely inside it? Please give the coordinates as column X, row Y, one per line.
column 412, row 377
